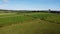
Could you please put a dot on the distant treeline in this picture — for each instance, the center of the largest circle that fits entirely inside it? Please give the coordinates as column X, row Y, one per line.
column 28, row 11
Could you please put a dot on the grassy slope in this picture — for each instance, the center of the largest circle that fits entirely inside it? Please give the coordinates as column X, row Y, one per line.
column 12, row 20
column 53, row 18
column 32, row 27
column 35, row 26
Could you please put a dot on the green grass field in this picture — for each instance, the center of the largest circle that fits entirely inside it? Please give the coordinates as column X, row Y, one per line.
column 29, row 23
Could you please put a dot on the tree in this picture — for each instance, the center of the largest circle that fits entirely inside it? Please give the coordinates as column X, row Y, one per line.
column 49, row 10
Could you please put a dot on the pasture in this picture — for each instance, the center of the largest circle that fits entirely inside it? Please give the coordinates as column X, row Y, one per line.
column 29, row 23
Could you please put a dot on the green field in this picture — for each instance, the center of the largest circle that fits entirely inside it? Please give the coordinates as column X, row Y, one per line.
column 29, row 23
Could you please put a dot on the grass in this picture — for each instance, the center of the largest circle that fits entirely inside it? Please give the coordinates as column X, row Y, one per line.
column 32, row 27
column 12, row 20
column 54, row 18
column 30, row 23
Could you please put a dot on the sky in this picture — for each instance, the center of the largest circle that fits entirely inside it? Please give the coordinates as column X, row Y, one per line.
column 30, row 4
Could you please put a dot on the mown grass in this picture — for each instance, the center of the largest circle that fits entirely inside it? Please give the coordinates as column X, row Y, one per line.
column 31, row 23
column 32, row 27
column 53, row 18
column 13, row 20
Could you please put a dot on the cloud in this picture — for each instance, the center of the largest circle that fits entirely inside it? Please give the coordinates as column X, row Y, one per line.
column 5, row 1
column 3, row 4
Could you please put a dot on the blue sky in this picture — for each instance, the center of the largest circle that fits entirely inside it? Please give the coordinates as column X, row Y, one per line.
column 30, row 4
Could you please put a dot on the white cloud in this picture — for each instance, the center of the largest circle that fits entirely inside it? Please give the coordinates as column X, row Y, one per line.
column 5, row 1
column 2, row 5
